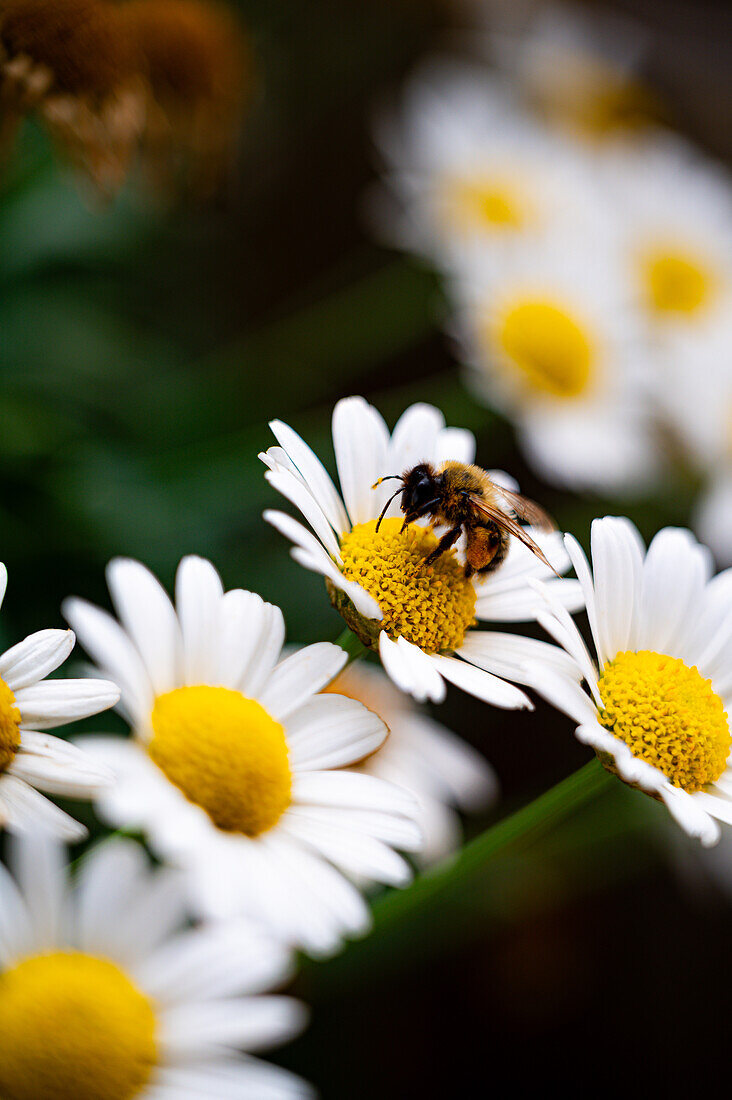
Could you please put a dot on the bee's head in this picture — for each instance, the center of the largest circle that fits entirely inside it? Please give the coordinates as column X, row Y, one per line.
column 419, row 487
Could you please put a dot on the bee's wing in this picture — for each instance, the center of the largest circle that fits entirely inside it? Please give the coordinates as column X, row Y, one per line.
column 510, row 525
column 527, row 510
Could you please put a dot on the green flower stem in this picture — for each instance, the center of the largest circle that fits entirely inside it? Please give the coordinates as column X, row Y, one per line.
column 353, row 646
column 517, row 831
column 494, row 875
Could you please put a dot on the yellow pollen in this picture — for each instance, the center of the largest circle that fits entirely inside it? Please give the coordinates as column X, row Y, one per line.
column 225, row 753
column 431, row 607
column 73, row 1027
column 550, row 348
column 488, row 203
column 677, row 281
column 668, row 715
column 9, row 726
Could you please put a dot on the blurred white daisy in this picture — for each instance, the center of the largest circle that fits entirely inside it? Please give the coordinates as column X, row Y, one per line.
column 442, row 771
column 553, row 341
column 32, row 760
column 577, row 68
column 236, row 768
column 695, row 390
column 421, row 622
column 712, row 516
column 660, row 692
column 466, row 168
column 103, row 995
column 674, row 211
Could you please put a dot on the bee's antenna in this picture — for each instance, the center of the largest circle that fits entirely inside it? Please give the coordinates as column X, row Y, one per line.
column 389, row 477
column 386, row 506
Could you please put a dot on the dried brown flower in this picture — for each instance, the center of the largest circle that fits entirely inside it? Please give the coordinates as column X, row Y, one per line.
column 74, row 63
column 200, row 75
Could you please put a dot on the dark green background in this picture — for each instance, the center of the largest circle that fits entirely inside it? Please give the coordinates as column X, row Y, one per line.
column 142, row 352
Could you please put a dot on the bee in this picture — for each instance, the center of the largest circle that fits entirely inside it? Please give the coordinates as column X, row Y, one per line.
column 465, row 498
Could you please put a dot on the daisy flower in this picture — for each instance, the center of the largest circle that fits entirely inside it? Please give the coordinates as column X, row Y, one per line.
column 442, row 771
column 577, row 68
column 658, row 695
column 103, row 995
column 421, row 622
column 712, row 516
column 466, row 168
column 675, row 229
column 32, row 760
column 235, row 771
column 554, row 342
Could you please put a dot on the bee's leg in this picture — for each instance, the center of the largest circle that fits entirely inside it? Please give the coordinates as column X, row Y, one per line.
column 423, row 511
column 448, row 539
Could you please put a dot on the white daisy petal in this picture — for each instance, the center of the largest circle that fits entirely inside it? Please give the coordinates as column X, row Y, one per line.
column 351, row 790
column 564, row 693
column 55, row 702
column 3, row 582
column 582, row 569
column 215, row 961
column 198, row 593
column 484, row 685
column 148, row 617
column 303, row 674
column 508, row 655
column 266, row 653
column 294, row 491
column 16, row 937
column 356, row 853
column 696, row 815
column 331, row 731
column 35, row 657
column 196, row 1030
column 73, row 776
column 361, row 442
column 38, row 867
column 456, row 445
column 410, row 669
column 242, row 624
column 674, row 574
column 314, row 474
column 27, row 811
column 415, row 435
column 109, row 645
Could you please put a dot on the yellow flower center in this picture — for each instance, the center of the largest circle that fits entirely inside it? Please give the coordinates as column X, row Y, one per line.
column 9, row 726
column 677, row 281
column 225, row 753
column 551, row 349
column 73, row 1027
column 668, row 715
column 488, row 202
column 430, row 606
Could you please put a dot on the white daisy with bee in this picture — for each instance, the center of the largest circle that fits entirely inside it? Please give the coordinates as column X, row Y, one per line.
column 553, row 341
column 372, row 545
column 446, row 775
column 31, row 759
column 657, row 692
column 105, row 994
column 466, row 168
column 236, row 770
